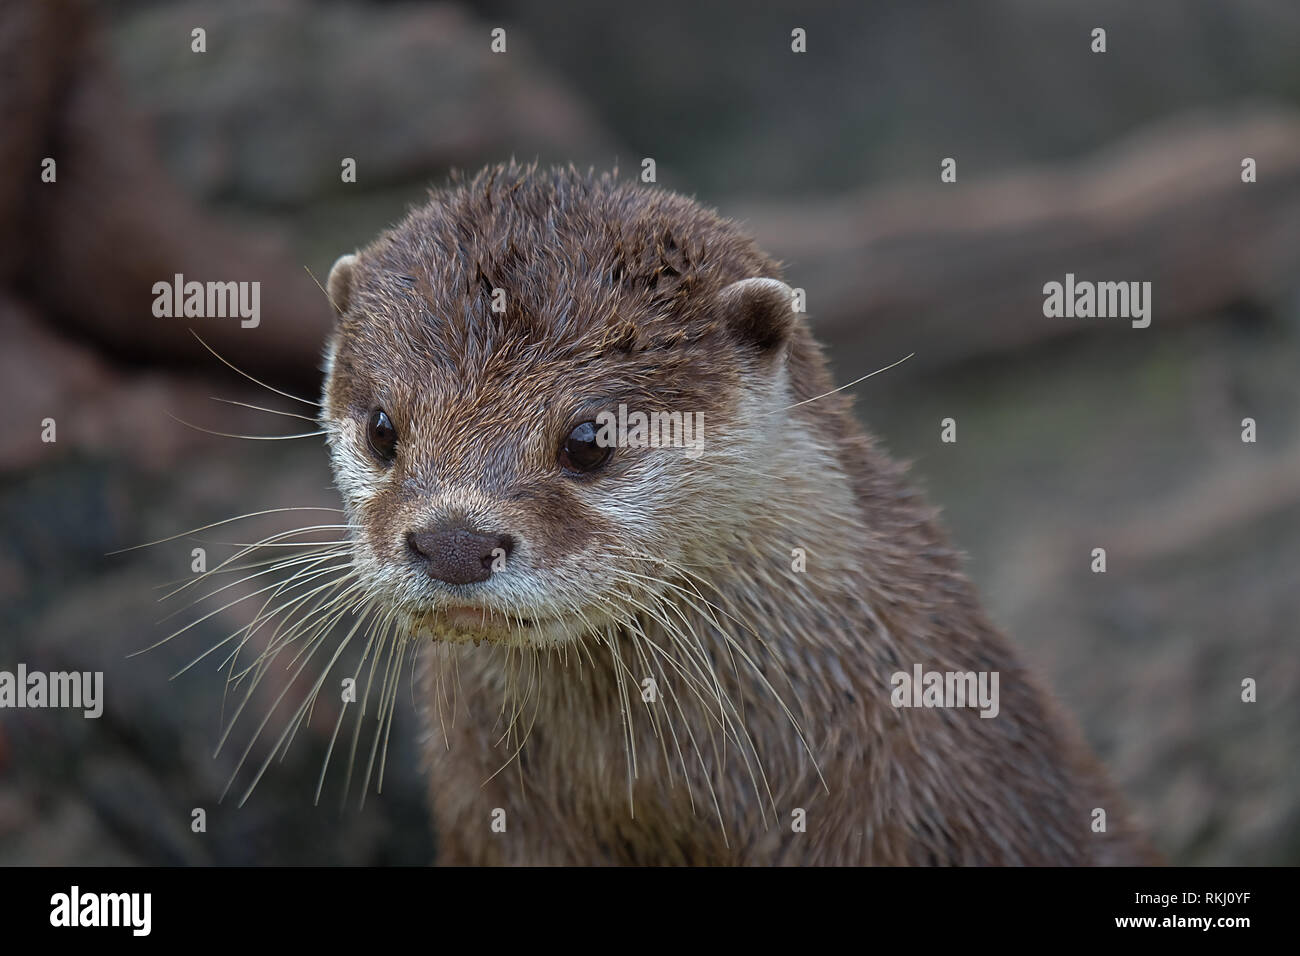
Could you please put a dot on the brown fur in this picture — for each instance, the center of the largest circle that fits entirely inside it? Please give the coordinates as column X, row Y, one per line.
column 616, row 293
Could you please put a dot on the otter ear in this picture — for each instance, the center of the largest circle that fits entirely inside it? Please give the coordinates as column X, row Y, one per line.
column 339, row 285
column 760, row 311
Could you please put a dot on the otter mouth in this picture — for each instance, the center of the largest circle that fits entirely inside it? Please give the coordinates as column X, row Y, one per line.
column 462, row 623
column 464, row 615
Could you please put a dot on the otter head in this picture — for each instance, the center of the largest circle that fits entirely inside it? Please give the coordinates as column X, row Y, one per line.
column 492, row 358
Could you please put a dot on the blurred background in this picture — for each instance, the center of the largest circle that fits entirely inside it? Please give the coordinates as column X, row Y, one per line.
column 1072, row 434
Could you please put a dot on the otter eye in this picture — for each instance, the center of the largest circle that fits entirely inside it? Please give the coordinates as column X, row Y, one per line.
column 381, row 435
column 581, row 452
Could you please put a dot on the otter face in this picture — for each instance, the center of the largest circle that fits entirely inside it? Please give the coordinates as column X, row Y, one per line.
column 475, row 378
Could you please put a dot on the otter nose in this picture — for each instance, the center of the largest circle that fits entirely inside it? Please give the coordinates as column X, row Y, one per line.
column 458, row 555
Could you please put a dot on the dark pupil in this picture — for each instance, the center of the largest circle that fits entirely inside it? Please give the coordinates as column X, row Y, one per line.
column 581, row 449
column 382, row 435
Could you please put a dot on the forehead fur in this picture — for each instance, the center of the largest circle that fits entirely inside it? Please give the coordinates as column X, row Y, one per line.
column 588, row 266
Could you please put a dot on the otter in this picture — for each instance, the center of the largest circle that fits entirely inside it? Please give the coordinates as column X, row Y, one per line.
column 636, row 654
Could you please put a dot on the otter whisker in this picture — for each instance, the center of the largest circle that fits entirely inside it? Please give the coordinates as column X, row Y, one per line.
column 729, row 643
column 260, row 408
column 693, row 579
column 315, row 618
column 633, row 578
column 638, row 634
column 208, row 431
column 215, row 524
column 313, row 557
column 315, row 689
column 333, row 304
column 732, row 642
column 666, row 719
column 376, row 638
column 329, row 752
column 662, row 657
column 533, row 694
column 389, row 682
column 667, row 625
column 180, row 584
column 861, row 378
column 291, row 636
column 692, row 648
column 392, row 709
column 415, row 646
column 505, row 691
column 697, row 750
column 255, row 624
column 518, row 709
column 794, row 722
column 327, row 597
column 377, row 625
column 440, row 696
column 319, row 613
column 314, row 625
column 620, row 669
column 317, row 630
column 291, row 602
column 272, row 540
column 240, row 371
column 194, row 623
column 257, row 545
column 456, row 688
column 307, row 567
column 699, row 657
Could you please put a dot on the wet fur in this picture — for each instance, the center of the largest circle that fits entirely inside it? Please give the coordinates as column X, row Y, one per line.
column 671, row 567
